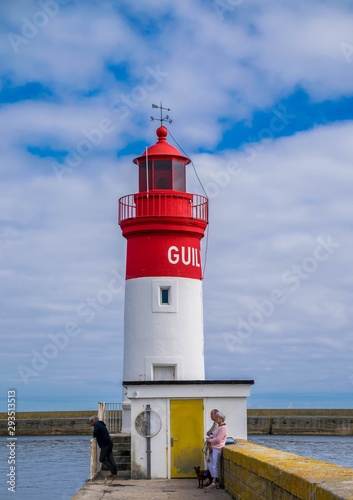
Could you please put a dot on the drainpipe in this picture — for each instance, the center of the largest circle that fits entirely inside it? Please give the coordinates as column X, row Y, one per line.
column 148, row 440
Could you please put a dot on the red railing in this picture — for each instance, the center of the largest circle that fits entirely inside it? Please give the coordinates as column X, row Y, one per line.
column 157, row 204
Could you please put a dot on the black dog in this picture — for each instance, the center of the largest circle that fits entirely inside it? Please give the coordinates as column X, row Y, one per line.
column 202, row 475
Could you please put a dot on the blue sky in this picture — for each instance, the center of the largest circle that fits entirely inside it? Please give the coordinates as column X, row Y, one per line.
column 261, row 97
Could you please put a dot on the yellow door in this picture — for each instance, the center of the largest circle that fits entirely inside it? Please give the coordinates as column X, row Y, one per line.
column 187, row 435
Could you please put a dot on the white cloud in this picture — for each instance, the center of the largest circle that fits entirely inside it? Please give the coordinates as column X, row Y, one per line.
column 270, row 203
column 261, row 227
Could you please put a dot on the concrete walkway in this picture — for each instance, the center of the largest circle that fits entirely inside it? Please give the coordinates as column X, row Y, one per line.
column 154, row 489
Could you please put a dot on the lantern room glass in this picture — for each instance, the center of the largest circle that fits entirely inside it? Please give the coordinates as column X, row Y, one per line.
column 162, row 178
column 143, row 186
column 179, row 176
column 162, row 175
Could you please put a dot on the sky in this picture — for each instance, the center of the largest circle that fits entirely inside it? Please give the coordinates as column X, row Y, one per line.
column 261, row 98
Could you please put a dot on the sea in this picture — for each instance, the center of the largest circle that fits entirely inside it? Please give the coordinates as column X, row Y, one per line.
column 47, row 468
column 333, row 449
column 56, row 467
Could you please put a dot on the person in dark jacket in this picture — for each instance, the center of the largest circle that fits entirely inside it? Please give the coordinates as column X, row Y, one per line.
column 100, row 432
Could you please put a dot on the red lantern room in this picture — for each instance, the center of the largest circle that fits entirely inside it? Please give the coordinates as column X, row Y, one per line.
column 162, row 213
column 166, row 166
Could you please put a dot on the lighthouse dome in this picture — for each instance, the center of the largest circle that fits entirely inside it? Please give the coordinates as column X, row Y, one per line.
column 162, row 148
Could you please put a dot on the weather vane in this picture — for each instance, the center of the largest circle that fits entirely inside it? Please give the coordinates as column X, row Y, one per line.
column 161, row 119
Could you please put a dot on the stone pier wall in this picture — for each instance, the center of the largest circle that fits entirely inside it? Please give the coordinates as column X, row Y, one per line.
column 253, row 472
column 289, row 421
column 49, row 427
column 49, row 423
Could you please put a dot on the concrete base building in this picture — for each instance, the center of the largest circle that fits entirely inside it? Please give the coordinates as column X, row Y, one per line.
column 180, row 419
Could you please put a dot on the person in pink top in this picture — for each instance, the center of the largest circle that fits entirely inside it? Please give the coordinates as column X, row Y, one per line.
column 217, row 441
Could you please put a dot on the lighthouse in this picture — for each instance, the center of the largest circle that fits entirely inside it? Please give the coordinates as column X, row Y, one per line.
column 163, row 225
column 166, row 399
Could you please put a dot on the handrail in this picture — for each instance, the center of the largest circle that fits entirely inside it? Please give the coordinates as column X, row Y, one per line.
column 110, row 413
column 94, row 463
column 154, row 204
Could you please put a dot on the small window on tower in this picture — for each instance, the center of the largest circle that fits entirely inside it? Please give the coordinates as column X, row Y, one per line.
column 165, row 295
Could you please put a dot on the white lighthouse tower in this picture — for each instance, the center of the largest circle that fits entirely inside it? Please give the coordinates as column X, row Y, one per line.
column 166, row 399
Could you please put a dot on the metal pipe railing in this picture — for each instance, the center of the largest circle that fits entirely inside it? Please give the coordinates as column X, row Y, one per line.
column 155, row 203
column 110, row 413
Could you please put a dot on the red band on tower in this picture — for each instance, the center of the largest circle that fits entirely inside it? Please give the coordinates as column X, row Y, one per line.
column 162, row 222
